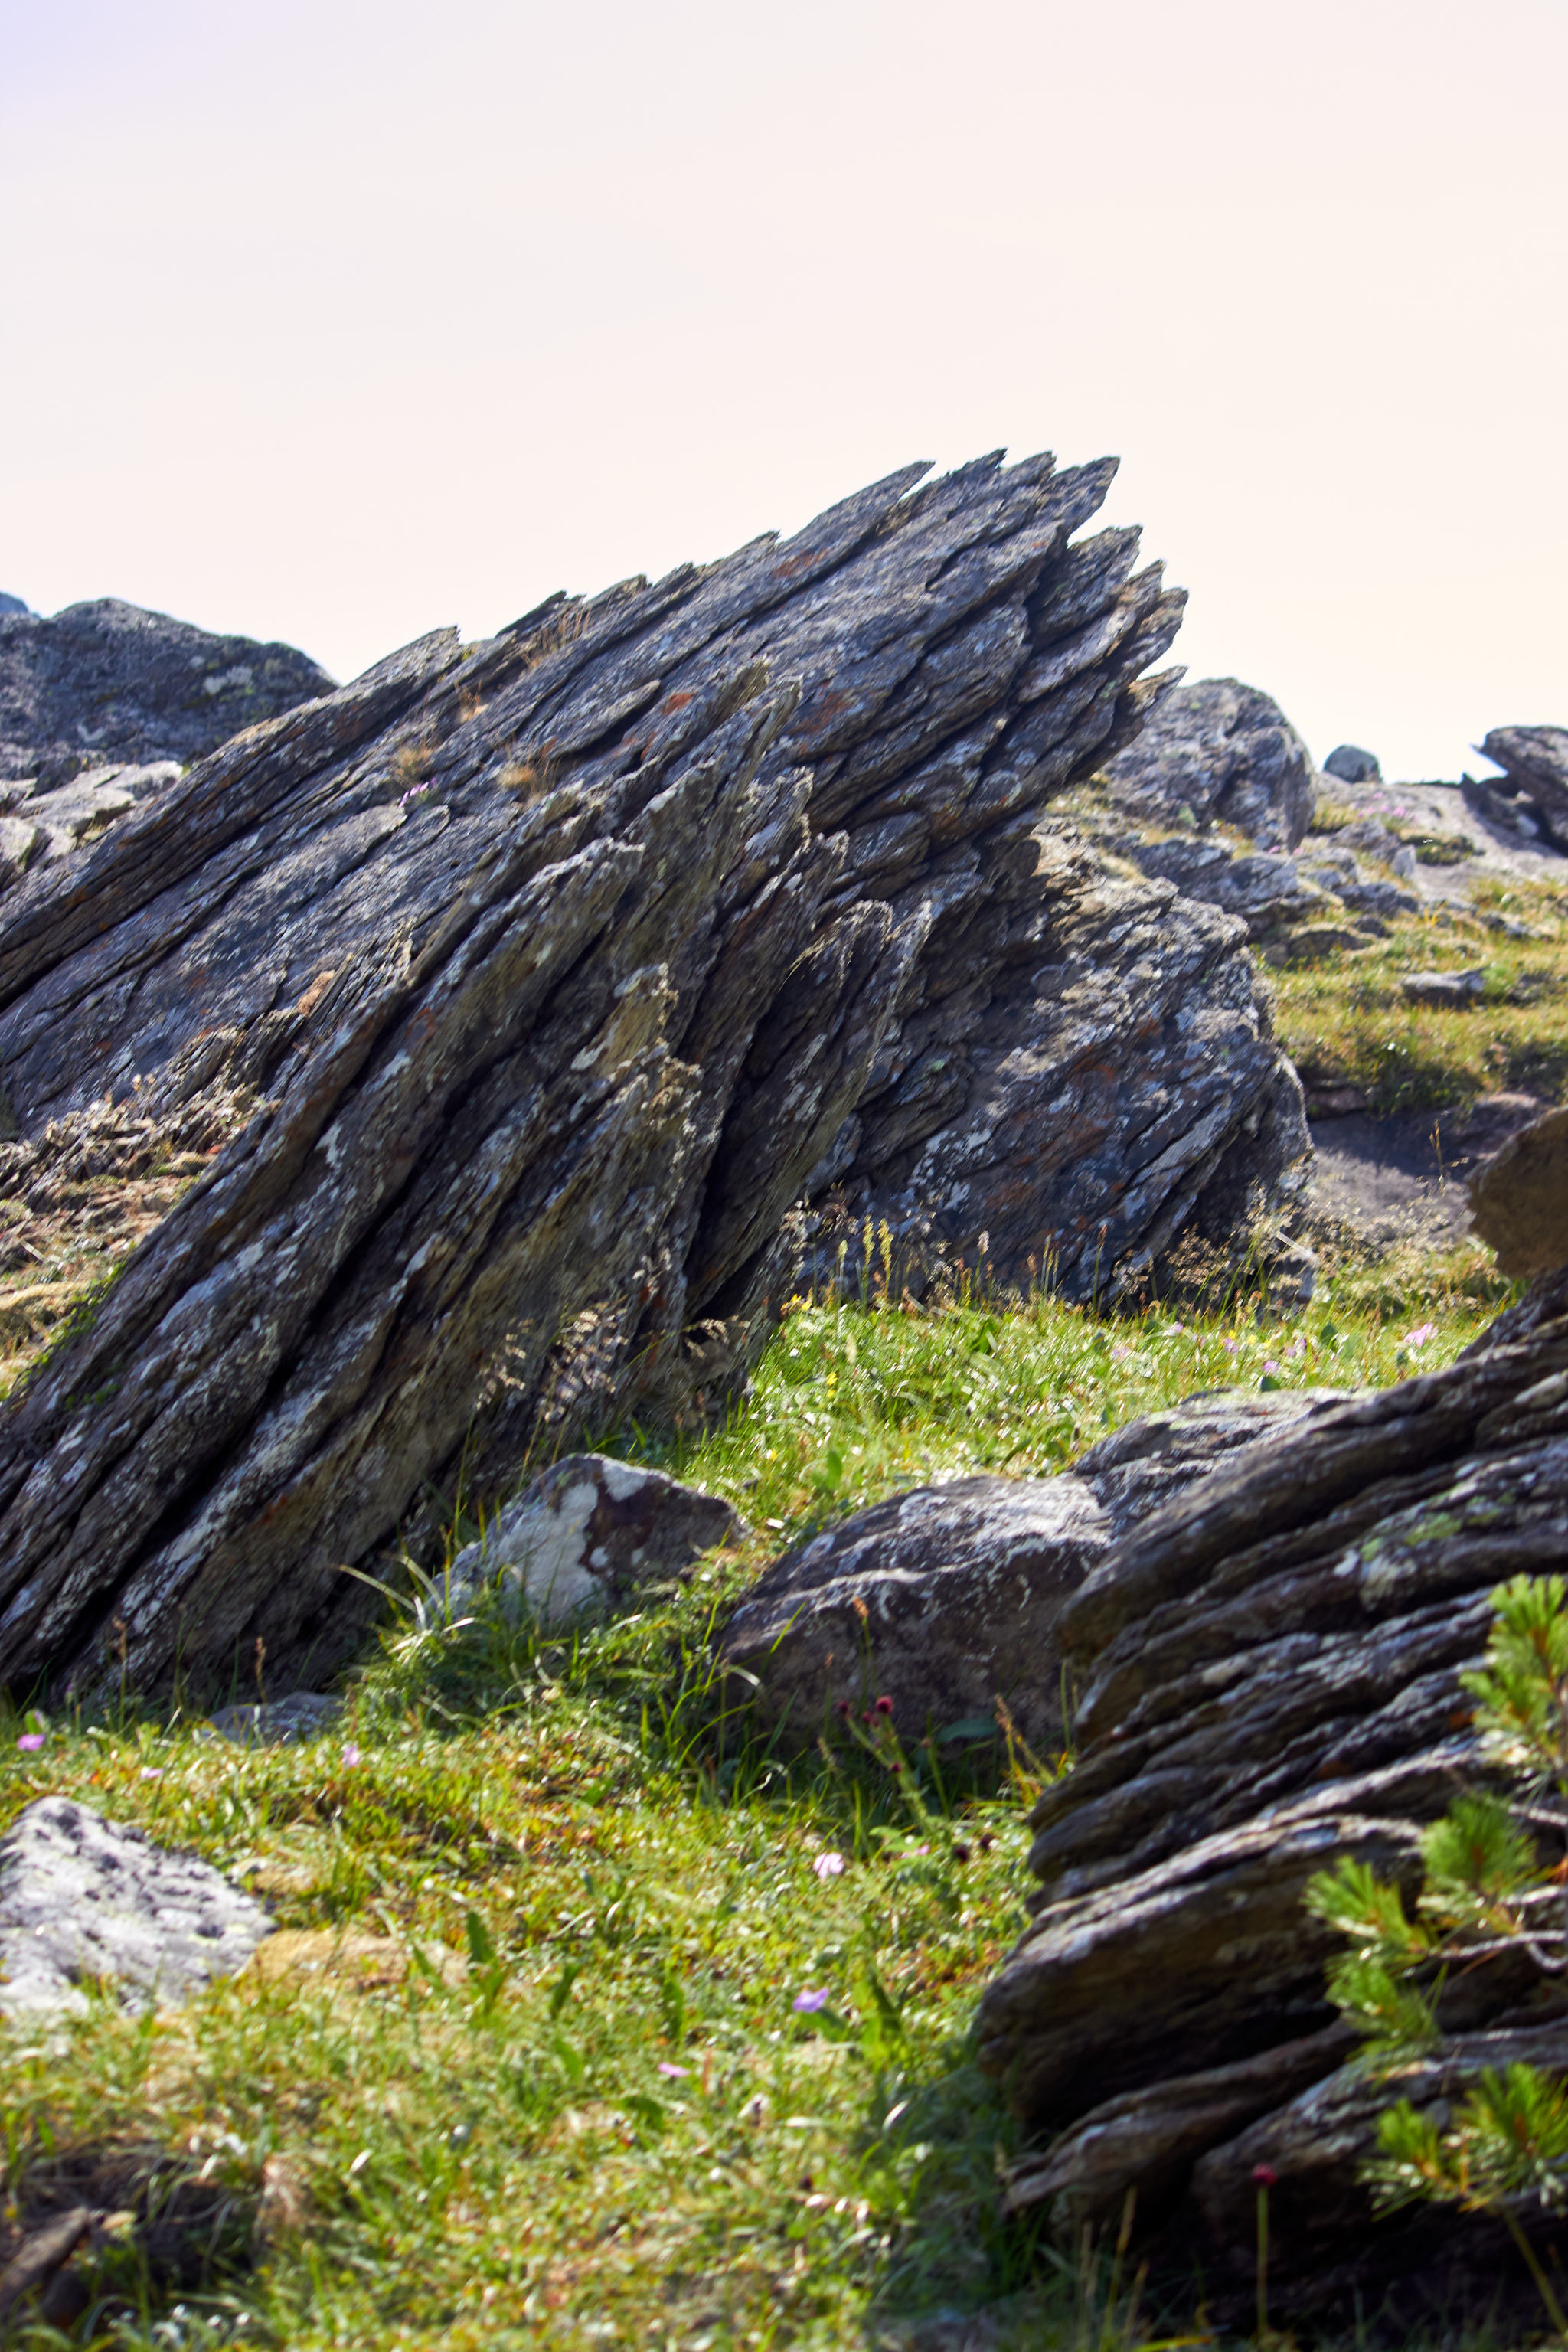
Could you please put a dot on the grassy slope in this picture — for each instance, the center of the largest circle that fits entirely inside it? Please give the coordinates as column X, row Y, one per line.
column 559, row 2088
column 1347, row 1021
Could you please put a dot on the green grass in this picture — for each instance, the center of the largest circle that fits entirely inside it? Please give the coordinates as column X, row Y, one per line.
column 558, row 2089
column 1346, row 1021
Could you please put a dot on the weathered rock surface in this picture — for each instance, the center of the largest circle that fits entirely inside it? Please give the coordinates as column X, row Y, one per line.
column 948, row 1598
column 10, row 606
column 1348, row 764
column 1519, row 1198
column 586, row 1534
column 84, row 1897
column 566, row 969
column 1220, row 751
column 1271, row 1679
column 108, row 684
column 38, row 825
column 1458, row 987
column 1535, row 760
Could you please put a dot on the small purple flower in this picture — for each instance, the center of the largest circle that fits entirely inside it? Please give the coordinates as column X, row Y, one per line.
column 678, row 2074
column 811, row 1999
column 829, row 1865
column 884, row 1706
column 351, row 1752
column 1121, row 1352
column 31, row 1739
column 1231, row 1346
column 152, row 1771
column 1419, row 1337
column 1269, row 1365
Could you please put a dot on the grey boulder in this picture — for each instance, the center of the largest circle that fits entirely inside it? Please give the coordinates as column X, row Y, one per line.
column 12, row 606
column 108, row 684
column 1350, row 765
column 1221, row 751
column 277, row 1722
column 1519, row 1199
column 82, row 1897
column 587, row 1534
column 1444, row 987
column 947, row 1598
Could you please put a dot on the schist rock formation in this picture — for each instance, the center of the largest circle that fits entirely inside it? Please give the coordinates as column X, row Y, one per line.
column 561, row 972
column 1270, row 1676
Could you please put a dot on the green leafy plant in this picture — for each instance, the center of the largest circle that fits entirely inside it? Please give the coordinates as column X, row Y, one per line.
column 1489, row 1889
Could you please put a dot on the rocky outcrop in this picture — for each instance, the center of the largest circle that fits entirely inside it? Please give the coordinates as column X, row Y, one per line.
column 588, row 1533
column 82, row 1897
column 586, row 983
column 1219, row 750
column 106, row 685
column 1270, row 1679
column 948, row 1598
column 1535, row 762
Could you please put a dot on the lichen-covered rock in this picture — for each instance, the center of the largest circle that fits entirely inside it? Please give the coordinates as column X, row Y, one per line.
column 947, row 1598
column 82, row 1897
column 587, row 983
column 1219, row 749
column 1270, row 1671
column 1348, row 764
column 1519, row 1201
column 588, row 1533
column 109, row 685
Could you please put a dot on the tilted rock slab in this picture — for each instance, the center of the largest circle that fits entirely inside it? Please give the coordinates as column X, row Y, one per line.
column 565, row 967
column 1519, row 1199
column 1535, row 760
column 1271, row 1680
column 108, row 684
column 82, row 1898
column 949, row 1598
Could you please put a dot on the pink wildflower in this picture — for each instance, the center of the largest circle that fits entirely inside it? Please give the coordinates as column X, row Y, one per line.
column 829, row 1865
column 30, row 1739
column 1419, row 1337
column 810, row 1998
column 351, row 1752
column 675, row 2073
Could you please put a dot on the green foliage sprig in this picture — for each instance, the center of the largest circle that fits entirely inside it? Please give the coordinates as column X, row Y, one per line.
column 1488, row 1890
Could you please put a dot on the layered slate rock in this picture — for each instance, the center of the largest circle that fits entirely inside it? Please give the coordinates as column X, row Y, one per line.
column 86, row 1899
column 947, row 1599
column 1220, row 751
column 586, row 982
column 108, row 684
column 1271, row 1680
column 588, row 1533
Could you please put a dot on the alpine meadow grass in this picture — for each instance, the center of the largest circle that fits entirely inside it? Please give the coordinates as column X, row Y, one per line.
column 598, row 2021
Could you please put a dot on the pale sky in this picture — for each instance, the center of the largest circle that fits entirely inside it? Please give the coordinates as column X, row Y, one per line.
column 334, row 323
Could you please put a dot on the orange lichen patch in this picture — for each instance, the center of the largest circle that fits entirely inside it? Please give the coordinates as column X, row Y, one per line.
column 363, row 1963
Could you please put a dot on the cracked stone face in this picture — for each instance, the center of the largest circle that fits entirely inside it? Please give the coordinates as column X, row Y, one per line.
column 84, row 1898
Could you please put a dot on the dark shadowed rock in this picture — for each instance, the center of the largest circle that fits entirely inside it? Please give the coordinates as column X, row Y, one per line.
column 586, row 986
column 948, row 1598
column 1535, row 760
column 84, row 1897
column 1219, row 749
column 1270, row 1673
column 1348, row 764
column 108, row 684
column 588, row 1533
column 1519, row 1200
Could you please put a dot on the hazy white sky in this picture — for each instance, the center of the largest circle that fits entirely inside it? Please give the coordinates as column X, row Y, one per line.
column 332, row 323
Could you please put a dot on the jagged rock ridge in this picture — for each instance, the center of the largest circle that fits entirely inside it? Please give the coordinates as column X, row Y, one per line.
column 562, row 967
